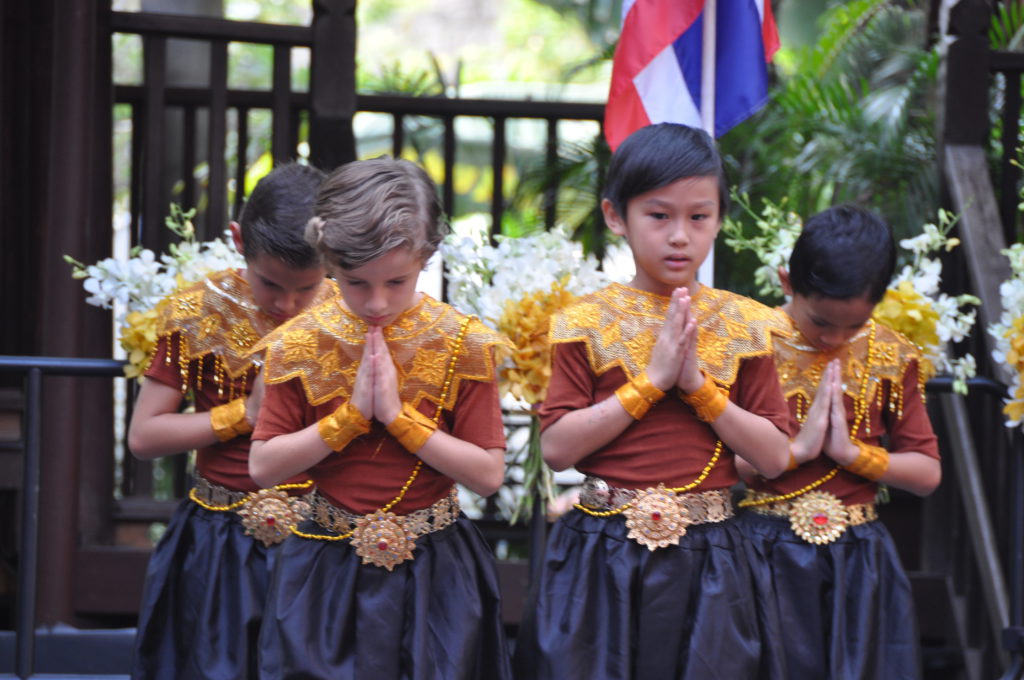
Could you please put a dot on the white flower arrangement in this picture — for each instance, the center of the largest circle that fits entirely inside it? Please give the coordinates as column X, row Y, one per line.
column 482, row 278
column 913, row 303
column 1008, row 334
column 133, row 287
column 514, row 287
column 140, row 282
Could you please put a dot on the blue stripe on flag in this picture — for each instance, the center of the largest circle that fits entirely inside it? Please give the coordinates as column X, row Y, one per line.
column 741, row 75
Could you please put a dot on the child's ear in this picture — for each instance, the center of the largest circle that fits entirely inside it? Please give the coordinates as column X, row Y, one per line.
column 611, row 218
column 236, row 236
column 787, row 288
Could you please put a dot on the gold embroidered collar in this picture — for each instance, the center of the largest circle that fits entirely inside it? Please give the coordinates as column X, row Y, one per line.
column 619, row 326
column 323, row 347
column 800, row 365
column 219, row 316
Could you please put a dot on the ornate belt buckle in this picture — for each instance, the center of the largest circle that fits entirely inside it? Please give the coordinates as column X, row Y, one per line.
column 383, row 540
column 818, row 517
column 656, row 518
column 269, row 515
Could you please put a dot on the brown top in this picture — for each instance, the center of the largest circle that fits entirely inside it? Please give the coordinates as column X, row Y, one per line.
column 894, row 397
column 371, row 470
column 223, row 463
column 310, row 367
column 668, row 445
column 204, row 335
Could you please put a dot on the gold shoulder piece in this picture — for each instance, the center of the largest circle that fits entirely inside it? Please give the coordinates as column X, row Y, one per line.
column 219, row 316
column 731, row 328
column 619, row 326
column 324, row 345
column 800, row 366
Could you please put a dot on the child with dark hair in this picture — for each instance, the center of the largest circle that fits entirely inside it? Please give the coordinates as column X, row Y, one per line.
column 206, row 582
column 656, row 388
column 386, row 398
column 844, row 602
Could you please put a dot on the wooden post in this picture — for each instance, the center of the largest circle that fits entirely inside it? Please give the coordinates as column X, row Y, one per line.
column 964, row 113
column 75, row 219
column 332, row 89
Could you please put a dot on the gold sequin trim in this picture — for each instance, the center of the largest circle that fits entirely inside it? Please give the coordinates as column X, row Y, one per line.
column 619, row 326
column 656, row 517
column 817, row 517
column 267, row 515
column 218, row 317
column 324, row 345
column 384, row 539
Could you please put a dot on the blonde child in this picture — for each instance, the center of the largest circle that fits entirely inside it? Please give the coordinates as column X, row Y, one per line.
column 386, row 398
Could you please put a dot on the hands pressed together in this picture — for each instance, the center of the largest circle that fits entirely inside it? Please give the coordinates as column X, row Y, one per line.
column 375, row 392
column 674, row 357
column 825, row 429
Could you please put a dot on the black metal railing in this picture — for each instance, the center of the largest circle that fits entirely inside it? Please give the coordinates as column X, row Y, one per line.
column 287, row 108
column 34, row 369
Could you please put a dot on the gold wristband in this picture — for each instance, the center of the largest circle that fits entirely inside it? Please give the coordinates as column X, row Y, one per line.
column 411, row 428
column 707, row 401
column 871, row 463
column 229, row 421
column 342, row 426
column 792, row 459
column 639, row 395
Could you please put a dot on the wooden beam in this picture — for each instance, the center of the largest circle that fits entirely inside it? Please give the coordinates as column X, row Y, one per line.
column 332, row 88
column 970, row 189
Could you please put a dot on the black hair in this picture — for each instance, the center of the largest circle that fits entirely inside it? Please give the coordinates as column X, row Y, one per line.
column 842, row 253
column 657, row 155
column 274, row 218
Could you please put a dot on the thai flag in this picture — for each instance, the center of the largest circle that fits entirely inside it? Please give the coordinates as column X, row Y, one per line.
column 656, row 75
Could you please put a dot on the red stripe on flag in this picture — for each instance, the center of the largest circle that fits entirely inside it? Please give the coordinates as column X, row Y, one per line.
column 769, row 32
column 623, row 114
column 649, row 27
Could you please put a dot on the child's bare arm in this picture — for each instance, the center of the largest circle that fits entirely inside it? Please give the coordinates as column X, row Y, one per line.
column 579, row 433
column 274, row 460
column 481, row 470
column 911, row 471
column 158, row 429
column 750, row 436
column 753, row 438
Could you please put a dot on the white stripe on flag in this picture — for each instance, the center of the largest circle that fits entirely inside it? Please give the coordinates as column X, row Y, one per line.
column 760, row 9
column 664, row 93
column 626, row 6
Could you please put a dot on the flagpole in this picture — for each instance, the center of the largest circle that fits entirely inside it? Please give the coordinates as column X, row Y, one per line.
column 706, row 273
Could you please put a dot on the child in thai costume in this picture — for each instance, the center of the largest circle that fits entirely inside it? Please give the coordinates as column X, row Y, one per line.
column 655, row 388
column 845, row 603
column 386, row 398
column 207, row 579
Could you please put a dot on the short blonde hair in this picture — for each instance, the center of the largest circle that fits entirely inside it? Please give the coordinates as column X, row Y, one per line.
column 367, row 208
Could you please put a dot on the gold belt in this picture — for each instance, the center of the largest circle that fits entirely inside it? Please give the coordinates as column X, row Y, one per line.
column 656, row 517
column 383, row 539
column 817, row 516
column 268, row 515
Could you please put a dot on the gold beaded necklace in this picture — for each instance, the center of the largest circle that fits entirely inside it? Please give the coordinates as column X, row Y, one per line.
column 445, row 388
column 860, row 409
